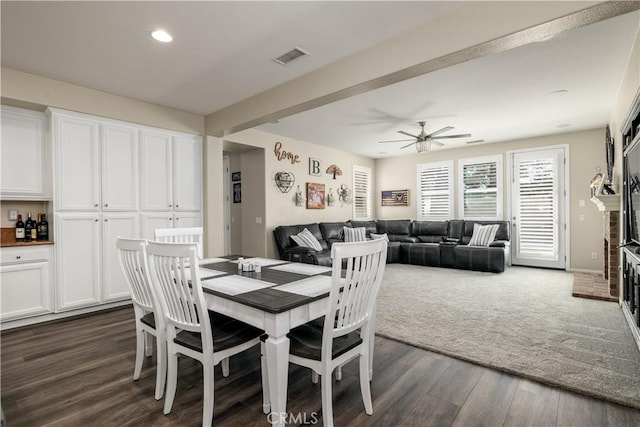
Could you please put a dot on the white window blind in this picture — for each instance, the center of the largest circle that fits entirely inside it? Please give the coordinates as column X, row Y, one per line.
column 537, row 201
column 435, row 195
column 362, row 193
column 480, row 187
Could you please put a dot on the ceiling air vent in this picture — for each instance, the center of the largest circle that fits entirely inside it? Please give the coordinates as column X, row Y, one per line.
column 291, row 56
column 476, row 141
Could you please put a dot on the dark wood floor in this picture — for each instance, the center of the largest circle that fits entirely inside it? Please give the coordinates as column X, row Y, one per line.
column 78, row 372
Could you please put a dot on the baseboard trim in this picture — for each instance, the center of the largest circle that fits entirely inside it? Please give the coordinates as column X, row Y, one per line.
column 18, row 323
column 584, row 270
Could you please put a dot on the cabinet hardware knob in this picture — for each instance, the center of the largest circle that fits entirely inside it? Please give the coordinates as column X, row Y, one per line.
column 95, row 205
column 96, row 220
column 170, row 206
column 18, row 257
column 106, row 220
column 177, row 219
column 177, row 206
column 106, row 205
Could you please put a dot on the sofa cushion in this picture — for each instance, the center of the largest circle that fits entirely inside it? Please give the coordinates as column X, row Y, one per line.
column 306, row 239
column 283, row 235
column 370, row 226
column 380, row 236
column 355, row 234
column 480, row 258
column 483, row 235
column 420, row 254
column 430, row 231
column 394, row 227
column 332, row 230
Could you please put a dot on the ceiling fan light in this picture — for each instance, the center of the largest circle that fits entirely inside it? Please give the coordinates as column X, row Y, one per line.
column 423, row 146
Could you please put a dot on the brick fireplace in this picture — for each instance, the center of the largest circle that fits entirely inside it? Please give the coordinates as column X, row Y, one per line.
column 605, row 286
column 611, row 250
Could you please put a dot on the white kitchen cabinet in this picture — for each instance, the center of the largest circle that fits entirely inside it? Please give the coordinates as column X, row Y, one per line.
column 24, row 155
column 187, row 174
column 25, row 282
column 78, row 261
column 96, row 164
column 187, row 219
column 114, row 225
column 156, row 192
column 77, row 163
column 119, row 167
column 152, row 220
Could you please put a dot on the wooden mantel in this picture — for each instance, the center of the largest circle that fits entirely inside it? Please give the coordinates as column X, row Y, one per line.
column 607, row 202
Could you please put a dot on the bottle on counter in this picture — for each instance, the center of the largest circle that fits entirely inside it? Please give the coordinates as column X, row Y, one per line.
column 42, row 227
column 20, row 230
column 28, row 228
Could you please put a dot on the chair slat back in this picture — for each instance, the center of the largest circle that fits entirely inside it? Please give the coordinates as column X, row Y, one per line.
column 176, row 278
column 352, row 298
column 181, row 235
column 132, row 254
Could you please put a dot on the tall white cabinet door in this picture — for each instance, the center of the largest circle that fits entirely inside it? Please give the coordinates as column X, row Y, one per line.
column 22, row 153
column 187, row 219
column 187, row 174
column 119, row 168
column 114, row 225
column 77, row 260
column 77, row 163
column 152, row 220
column 155, row 174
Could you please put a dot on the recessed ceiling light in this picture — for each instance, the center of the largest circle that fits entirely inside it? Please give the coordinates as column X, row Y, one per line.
column 162, row 36
column 558, row 92
column 563, row 125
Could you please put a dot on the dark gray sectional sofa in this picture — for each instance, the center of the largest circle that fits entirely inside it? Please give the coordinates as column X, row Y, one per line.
column 432, row 243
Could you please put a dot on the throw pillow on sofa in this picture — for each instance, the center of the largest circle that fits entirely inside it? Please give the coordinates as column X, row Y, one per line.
column 357, row 234
column 306, row 239
column 483, row 235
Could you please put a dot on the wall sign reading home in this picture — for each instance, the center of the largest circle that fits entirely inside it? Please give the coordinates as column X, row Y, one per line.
column 395, row 198
column 285, row 155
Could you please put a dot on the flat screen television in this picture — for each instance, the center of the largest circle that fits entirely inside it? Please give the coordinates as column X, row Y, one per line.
column 632, row 193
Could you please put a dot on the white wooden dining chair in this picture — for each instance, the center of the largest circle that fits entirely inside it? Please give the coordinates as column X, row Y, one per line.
column 132, row 254
column 192, row 330
column 345, row 332
column 181, row 235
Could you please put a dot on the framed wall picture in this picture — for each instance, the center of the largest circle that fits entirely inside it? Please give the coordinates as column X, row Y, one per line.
column 314, row 167
column 395, row 198
column 235, row 176
column 237, row 192
column 315, row 195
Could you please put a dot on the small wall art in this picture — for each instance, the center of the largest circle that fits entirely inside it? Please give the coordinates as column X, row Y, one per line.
column 284, row 181
column 315, row 195
column 314, row 167
column 334, row 171
column 395, row 198
column 235, row 176
column 237, row 193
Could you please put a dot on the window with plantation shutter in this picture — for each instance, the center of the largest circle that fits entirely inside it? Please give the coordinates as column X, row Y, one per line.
column 362, row 193
column 435, row 193
column 480, row 188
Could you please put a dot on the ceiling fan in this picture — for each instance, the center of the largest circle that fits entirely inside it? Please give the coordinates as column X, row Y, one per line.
column 424, row 140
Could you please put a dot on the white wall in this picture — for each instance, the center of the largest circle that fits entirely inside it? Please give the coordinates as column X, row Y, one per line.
column 586, row 150
column 280, row 208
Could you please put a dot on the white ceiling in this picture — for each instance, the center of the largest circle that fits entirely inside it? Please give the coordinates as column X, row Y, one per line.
column 222, row 54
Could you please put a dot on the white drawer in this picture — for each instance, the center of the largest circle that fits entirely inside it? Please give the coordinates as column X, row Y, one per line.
column 22, row 254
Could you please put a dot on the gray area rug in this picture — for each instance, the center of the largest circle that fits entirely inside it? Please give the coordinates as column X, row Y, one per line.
column 523, row 321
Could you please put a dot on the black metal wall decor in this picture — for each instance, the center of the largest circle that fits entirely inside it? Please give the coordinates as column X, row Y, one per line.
column 285, row 181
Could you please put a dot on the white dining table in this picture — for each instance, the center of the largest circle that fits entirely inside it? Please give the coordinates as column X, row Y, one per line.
column 282, row 296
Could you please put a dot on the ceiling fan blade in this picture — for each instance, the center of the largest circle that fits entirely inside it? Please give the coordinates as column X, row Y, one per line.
column 437, row 143
column 408, row 134
column 439, row 131
column 408, row 145
column 462, row 135
column 394, row 140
